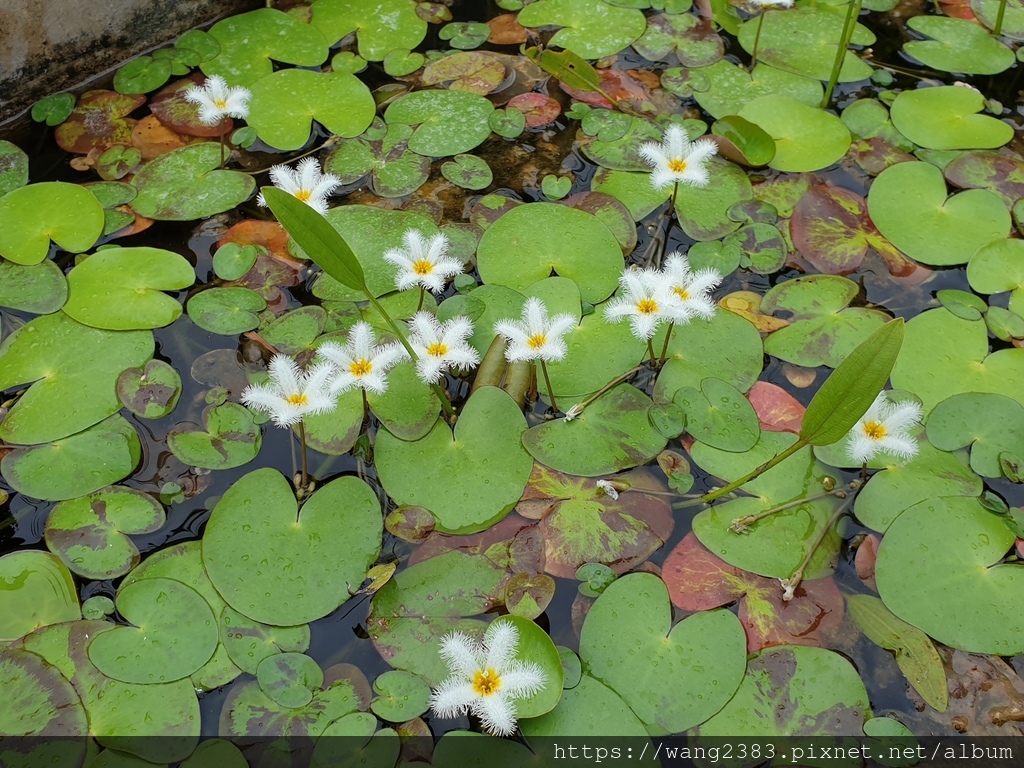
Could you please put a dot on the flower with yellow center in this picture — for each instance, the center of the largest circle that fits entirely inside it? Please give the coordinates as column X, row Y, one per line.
column 486, row 679
column 885, row 428
column 644, row 297
column 441, row 346
column 217, row 101
column 677, row 160
column 291, row 394
column 361, row 362
column 692, row 289
column 535, row 335
column 423, row 262
column 305, row 183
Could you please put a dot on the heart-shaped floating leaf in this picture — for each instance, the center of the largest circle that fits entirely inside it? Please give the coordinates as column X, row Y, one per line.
column 945, row 118
column 379, row 29
column 39, row 590
column 908, row 204
column 703, row 211
column 626, row 643
column 938, row 569
column 184, row 184
column 39, row 288
column 75, row 465
column 807, row 139
column 282, row 567
column 89, row 533
column 725, row 88
column 1012, row 14
column 468, row 172
column 473, row 72
column 98, row 121
column 411, row 613
column 693, row 40
column 959, row 45
column 227, row 311
column 285, row 103
column 575, row 245
column 175, row 633
column 150, row 392
column 121, row 288
column 447, row 122
column 249, row 642
column 122, row 716
column 614, row 433
column 633, row 190
column 794, row 690
column 470, row 480
column 989, row 424
column 395, row 170
column 409, row 408
column 13, row 167
column 591, row 28
column 41, row 702
column 182, row 116
column 290, row 678
column 589, row 708
column 401, row 696
column 999, row 267
column 719, row 415
column 229, row 438
column 944, row 355
column 250, row 40
column 32, row 216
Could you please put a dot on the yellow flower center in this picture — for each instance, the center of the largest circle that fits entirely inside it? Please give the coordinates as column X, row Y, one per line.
column 537, row 341
column 361, row 367
column 422, row 267
column 682, row 293
column 303, row 195
column 298, row 399
column 220, row 104
column 486, row 682
column 874, row 430
column 677, row 165
column 647, row 306
column 437, row 350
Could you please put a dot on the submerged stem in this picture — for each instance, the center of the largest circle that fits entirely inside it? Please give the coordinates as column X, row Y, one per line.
column 741, row 524
column 789, row 585
column 852, row 12
column 757, row 40
column 707, row 498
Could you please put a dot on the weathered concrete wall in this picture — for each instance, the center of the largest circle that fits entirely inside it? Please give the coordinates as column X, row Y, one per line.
column 51, row 45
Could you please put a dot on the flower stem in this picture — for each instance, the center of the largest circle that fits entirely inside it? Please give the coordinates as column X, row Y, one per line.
column 668, row 225
column 547, row 380
column 305, row 462
column 420, row 305
column 664, row 347
column 790, row 584
column 741, row 524
column 223, row 130
column 707, row 498
column 446, row 403
column 998, row 28
column 852, row 12
column 757, row 40
column 650, row 351
column 580, row 407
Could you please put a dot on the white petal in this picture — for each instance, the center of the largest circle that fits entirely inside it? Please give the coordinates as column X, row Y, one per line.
column 676, row 142
column 496, row 713
column 501, row 640
column 553, row 351
column 453, row 697
column 653, row 154
column 644, row 325
column 285, row 375
column 512, row 331
column 535, row 314
column 899, row 417
column 375, row 381
column 429, row 368
column 523, row 679
column 899, row 445
column 862, row 448
column 360, row 340
column 662, row 177
column 261, row 397
column 456, row 331
column 415, row 244
column 560, row 325
column 387, row 356
column 463, row 356
column 462, row 654
column 437, row 247
column 701, row 151
column 334, row 353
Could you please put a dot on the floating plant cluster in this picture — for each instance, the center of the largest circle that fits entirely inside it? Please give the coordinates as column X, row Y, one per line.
column 578, row 304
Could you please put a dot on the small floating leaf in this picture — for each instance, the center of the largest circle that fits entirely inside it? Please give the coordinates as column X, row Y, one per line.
column 229, row 438
column 32, row 216
column 39, row 590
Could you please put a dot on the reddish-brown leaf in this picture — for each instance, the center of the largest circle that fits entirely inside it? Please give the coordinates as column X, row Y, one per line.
column 810, row 618
column 777, row 410
column 698, row 580
column 538, row 109
column 98, row 121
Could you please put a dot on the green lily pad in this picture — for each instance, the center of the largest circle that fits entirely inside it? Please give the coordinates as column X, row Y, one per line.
column 555, row 187
column 869, row 118
column 290, row 678
column 142, row 75
column 13, row 167
column 944, row 355
column 97, row 607
column 121, row 288
column 255, row 531
column 728, row 88
column 703, row 211
column 89, row 533
column 395, row 170
column 509, row 122
column 473, row 72
column 175, row 633
column 804, row 41
column 589, row 708
column 229, row 438
column 959, row 45
column 408, row 409
column 807, row 139
column 744, row 142
column 963, row 304
column 529, row 596
column 576, row 245
column 379, row 29
column 401, row 62
column 150, row 392
column 75, row 465
column 233, row 260
column 469, row 481
column 945, row 118
column 226, row 311
column 776, row 545
column 250, row 40
column 41, row 703
column 999, row 267
column 989, row 424
column 633, row 190
column 125, row 716
column 614, row 433
column 938, row 569
column 908, row 204
column 693, row 40
column 619, row 149
column 987, row 12
column 284, row 104
column 591, row 28
column 249, row 642
column 794, row 690
column 40, row 288
column 401, row 696
column 447, row 122
column 719, row 415
column 465, row 35
column 184, row 184
column 295, row 330
column 726, row 347
column 410, row 614
column 626, row 643
column 38, row 591
column 53, row 109
column 32, row 216
column 335, row 432
column 468, row 172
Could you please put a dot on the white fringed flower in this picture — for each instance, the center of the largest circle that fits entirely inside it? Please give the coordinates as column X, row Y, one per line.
column 645, row 297
column 677, row 159
column 485, row 679
column 885, row 428
column 772, row 3
column 361, row 363
column 692, row 289
column 441, row 346
column 305, row 182
column 291, row 393
column 535, row 335
column 423, row 262
column 216, row 100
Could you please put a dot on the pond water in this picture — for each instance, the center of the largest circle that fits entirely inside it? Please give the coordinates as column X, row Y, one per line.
column 124, row 375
